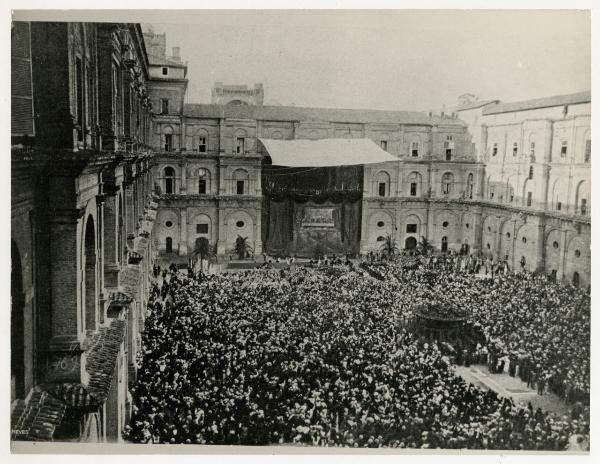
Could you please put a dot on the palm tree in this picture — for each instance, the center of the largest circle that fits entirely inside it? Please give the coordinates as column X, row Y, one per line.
column 424, row 246
column 389, row 246
column 242, row 247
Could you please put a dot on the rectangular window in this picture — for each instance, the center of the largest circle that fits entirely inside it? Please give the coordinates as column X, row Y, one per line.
column 382, row 189
column 202, row 145
column 165, row 71
column 449, row 138
column 384, row 145
column 563, row 150
column 558, row 206
column 79, row 80
column 415, row 149
column 411, row 228
column 239, row 145
column 529, row 195
column 448, row 154
column 168, row 142
column 588, row 151
column 202, row 228
column 583, row 206
column 164, row 105
column 239, row 185
column 553, row 275
column 413, row 189
column 202, row 186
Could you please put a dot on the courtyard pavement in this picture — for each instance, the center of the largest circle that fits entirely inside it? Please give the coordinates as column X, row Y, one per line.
column 511, row 387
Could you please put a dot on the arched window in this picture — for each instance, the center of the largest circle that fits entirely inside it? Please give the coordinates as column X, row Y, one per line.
column 203, row 143
column 203, row 181
column 444, row 244
column 169, row 174
column 120, row 229
column 168, row 138
column 470, row 186
column 89, row 269
column 414, row 147
column 239, row 142
column 414, row 181
column 240, row 182
column 169, row 245
column 382, row 182
column 447, row 180
column 587, row 154
column 576, row 279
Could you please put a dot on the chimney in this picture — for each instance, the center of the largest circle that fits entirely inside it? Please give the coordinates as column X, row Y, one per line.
column 176, row 56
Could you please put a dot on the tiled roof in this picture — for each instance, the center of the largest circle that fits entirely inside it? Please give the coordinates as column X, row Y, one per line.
column 102, row 358
column 100, row 365
column 119, row 297
column 546, row 102
column 476, row 104
column 293, row 113
column 37, row 417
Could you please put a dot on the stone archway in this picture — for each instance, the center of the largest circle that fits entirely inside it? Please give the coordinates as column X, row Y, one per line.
column 410, row 243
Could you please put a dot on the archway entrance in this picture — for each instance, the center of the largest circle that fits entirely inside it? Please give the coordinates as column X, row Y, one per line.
column 444, row 244
column 17, row 329
column 410, row 243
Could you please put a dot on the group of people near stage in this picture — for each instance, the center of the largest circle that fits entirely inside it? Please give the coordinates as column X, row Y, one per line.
column 311, row 356
column 533, row 328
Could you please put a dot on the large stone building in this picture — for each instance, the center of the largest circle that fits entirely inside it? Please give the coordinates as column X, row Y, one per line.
column 536, row 190
column 457, row 180
column 81, row 226
column 237, row 94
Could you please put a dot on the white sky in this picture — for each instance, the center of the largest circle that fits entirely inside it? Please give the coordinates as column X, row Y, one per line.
column 406, row 60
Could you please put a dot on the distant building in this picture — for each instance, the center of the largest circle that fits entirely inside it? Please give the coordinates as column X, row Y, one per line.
column 537, row 156
column 237, row 94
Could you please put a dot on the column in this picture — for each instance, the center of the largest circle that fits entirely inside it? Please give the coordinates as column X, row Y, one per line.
column 222, row 231
column 130, row 222
column 477, row 231
column 364, row 239
column 540, row 259
column 183, row 179
column 183, row 226
column 66, row 361
column 562, row 271
column 258, row 232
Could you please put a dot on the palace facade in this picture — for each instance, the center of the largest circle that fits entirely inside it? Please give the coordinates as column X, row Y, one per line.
column 81, row 226
column 509, row 180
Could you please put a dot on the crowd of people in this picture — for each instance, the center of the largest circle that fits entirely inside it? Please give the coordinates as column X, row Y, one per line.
column 319, row 356
column 533, row 328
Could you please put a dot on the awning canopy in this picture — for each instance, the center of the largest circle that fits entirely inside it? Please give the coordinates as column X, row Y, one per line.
column 325, row 152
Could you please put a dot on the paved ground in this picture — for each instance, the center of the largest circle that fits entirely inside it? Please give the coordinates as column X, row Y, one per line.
column 511, row 387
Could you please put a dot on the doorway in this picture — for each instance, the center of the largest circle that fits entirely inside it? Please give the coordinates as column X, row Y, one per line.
column 410, row 243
